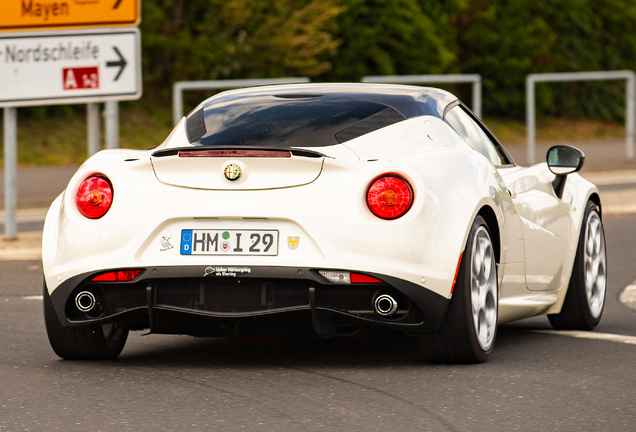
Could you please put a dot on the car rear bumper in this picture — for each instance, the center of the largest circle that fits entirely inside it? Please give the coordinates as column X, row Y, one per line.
column 204, row 300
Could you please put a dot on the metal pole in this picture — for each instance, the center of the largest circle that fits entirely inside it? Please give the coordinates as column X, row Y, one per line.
column 530, row 118
column 10, row 173
column 629, row 114
column 177, row 103
column 92, row 124
column 477, row 97
column 111, row 116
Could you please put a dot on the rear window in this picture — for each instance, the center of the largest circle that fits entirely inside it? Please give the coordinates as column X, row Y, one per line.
column 287, row 121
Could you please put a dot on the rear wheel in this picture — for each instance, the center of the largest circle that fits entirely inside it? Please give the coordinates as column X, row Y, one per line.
column 467, row 333
column 95, row 342
column 585, row 299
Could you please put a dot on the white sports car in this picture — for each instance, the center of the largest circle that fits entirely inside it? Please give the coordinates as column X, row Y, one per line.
column 322, row 209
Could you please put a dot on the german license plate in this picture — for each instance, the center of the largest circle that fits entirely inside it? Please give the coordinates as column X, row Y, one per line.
column 229, row 242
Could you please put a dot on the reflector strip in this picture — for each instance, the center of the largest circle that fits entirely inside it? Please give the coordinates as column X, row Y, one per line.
column 457, row 271
column 235, row 153
column 117, row 276
column 360, row 278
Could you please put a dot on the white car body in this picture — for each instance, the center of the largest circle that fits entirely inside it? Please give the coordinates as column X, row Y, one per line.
column 318, row 207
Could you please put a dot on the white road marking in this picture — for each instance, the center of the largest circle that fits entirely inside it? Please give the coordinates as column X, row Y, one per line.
column 39, row 297
column 628, row 296
column 28, row 246
column 21, row 254
column 27, row 215
column 631, row 340
column 618, row 209
column 604, row 178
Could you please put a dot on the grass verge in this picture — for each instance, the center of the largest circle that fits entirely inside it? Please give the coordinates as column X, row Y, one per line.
column 60, row 139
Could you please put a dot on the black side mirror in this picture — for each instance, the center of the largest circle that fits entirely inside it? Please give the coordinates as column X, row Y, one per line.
column 563, row 160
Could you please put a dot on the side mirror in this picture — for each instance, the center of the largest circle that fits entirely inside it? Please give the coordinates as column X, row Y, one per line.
column 563, row 159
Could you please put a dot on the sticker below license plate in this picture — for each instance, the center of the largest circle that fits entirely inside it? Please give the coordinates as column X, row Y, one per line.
column 229, row 242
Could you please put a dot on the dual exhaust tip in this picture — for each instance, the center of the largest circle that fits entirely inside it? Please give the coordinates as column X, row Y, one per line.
column 86, row 302
column 385, row 305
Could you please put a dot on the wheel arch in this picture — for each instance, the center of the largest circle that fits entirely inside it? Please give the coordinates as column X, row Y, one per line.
column 597, row 200
column 493, row 225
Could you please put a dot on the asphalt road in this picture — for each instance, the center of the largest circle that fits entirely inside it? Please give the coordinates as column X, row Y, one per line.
column 533, row 380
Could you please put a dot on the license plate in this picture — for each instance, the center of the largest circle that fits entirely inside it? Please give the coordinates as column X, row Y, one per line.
column 229, row 242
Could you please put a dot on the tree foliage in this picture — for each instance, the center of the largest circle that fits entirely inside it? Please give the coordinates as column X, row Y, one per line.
column 394, row 37
column 343, row 40
column 224, row 39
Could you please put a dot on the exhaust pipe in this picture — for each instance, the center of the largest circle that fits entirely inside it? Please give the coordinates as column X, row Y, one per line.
column 385, row 305
column 85, row 301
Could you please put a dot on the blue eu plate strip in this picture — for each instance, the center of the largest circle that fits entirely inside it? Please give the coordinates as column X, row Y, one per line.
column 186, row 242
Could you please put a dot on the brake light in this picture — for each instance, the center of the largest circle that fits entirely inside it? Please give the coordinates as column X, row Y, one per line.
column 235, row 153
column 95, row 196
column 389, row 197
column 117, row 276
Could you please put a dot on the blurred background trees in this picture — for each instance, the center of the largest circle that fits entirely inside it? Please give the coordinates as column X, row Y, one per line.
column 343, row 40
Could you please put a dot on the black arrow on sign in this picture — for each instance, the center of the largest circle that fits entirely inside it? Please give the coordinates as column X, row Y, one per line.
column 117, row 4
column 119, row 63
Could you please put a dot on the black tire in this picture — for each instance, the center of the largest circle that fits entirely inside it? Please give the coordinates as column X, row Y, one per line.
column 585, row 299
column 460, row 339
column 102, row 342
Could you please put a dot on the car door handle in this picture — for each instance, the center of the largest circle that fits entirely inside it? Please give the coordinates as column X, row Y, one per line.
column 512, row 193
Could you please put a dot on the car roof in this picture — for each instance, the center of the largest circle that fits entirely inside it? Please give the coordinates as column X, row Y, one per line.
column 404, row 98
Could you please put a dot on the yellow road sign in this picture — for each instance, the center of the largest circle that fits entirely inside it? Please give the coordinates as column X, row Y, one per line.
column 56, row 14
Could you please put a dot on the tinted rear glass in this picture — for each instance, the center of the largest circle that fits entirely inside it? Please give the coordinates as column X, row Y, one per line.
column 292, row 120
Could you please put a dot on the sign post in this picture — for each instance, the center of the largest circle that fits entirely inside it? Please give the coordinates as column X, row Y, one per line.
column 10, row 124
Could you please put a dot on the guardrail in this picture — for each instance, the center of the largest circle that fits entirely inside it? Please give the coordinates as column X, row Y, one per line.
column 179, row 86
column 475, row 79
column 628, row 75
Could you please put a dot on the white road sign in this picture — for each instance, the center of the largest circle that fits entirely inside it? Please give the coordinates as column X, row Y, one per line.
column 65, row 67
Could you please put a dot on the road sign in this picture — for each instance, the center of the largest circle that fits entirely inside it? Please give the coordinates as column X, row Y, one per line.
column 58, row 14
column 65, row 67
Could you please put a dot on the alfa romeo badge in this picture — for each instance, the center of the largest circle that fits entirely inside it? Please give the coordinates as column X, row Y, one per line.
column 232, row 172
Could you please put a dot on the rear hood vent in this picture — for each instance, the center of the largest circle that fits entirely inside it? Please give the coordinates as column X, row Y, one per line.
column 236, row 169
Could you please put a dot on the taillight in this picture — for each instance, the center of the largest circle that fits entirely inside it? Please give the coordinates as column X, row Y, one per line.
column 117, row 276
column 95, row 196
column 345, row 277
column 389, row 197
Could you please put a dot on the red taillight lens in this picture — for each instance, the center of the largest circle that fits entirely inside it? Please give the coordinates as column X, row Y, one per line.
column 360, row 278
column 117, row 276
column 94, row 196
column 389, row 197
